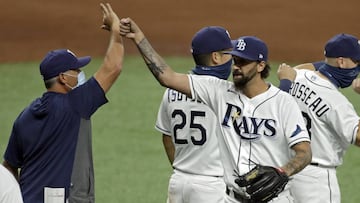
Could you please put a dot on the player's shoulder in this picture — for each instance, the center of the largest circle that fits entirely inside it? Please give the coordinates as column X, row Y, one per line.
column 280, row 95
column 276, row 91
column 210, row 80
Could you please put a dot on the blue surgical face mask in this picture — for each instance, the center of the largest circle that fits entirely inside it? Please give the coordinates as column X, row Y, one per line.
column 341, row 77
column 221, row 71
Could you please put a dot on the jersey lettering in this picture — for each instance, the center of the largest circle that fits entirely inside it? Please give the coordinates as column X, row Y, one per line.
column 307, row 120
column 248, row 128
column 315, row 103
column 175, row 96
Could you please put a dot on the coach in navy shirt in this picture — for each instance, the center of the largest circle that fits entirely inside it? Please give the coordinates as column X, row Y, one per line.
column 51, row 138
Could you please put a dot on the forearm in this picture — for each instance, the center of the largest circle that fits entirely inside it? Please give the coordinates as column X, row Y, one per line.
column 115, row 53
column 112, row 65
column 154, row 61
column 169, row 148
column 301, row 159
column 156, row 64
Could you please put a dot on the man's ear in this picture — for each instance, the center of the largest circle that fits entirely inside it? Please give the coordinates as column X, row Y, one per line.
column 340, row 62
column 261, row 66
column 216, row 57
column 61, row 78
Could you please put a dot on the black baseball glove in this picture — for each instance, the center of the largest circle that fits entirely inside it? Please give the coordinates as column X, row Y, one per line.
column 263, row 183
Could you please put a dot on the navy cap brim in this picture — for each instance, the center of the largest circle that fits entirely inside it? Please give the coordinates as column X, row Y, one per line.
column 240, row 54
column 82, row 62
column 234, row 42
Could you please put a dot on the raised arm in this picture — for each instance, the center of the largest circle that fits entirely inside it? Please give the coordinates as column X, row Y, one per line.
column 286, row 75
column 111, row 67
column 156, row 64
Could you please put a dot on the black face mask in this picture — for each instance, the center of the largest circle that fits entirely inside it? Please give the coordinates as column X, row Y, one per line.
column 222, row 71
column 340, row 77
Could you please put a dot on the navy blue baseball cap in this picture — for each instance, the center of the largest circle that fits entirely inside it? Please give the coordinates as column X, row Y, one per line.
column 343, row 45
column 59, row 61
column 250, row 48
column 210, row 39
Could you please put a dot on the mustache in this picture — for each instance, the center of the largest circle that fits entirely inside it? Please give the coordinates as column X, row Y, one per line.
column 237, row 72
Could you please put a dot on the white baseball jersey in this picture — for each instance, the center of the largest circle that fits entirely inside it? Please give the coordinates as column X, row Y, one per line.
column 331, row 119
column 193, row 127
column 332, row 124
column 198, row 172
column 255, row 130
column 9, row 187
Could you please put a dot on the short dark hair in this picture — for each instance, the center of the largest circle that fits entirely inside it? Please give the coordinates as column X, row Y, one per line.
column 265, row 73
column 202, row 59
column 50, row 82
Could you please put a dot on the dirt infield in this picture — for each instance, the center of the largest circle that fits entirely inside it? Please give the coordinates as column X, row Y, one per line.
column 295, row 31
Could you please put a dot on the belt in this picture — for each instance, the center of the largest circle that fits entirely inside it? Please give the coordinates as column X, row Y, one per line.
column 239, row 197
column 320, row 165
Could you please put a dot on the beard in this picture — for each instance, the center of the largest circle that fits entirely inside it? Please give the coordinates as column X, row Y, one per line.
column 241, row 82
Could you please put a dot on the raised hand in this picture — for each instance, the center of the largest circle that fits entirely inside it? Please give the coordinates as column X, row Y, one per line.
column 111, row 21
column 129, row 29
column 286, row 72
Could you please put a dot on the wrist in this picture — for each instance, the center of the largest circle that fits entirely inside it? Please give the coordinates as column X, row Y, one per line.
column 139, row 37
column 282, row 171
column 285, row 85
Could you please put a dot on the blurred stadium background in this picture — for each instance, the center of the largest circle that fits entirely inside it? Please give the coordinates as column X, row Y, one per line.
column 130, row 163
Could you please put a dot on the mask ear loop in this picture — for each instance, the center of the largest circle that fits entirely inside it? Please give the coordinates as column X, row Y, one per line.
column 67, row 85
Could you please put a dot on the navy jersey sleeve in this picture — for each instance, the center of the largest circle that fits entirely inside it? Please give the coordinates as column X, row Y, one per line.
column 13, row 153
column 87, row 98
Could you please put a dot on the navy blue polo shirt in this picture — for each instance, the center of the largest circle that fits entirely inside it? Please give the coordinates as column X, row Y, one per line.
column 44, row 140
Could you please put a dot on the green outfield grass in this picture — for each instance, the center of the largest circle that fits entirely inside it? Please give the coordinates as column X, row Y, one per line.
column 130, row 163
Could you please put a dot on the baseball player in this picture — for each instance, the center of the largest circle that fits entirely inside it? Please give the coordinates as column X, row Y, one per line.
column 51, row 140
column 331, row 119
column 257, row 126
column 189, row 127
column 316, row 66
column 9, row 187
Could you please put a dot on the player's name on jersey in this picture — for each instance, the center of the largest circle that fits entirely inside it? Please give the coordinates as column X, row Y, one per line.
column 175, row 96
column 309, row 97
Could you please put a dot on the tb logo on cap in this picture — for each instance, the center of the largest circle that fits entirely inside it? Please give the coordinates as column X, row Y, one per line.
column 241, row 45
